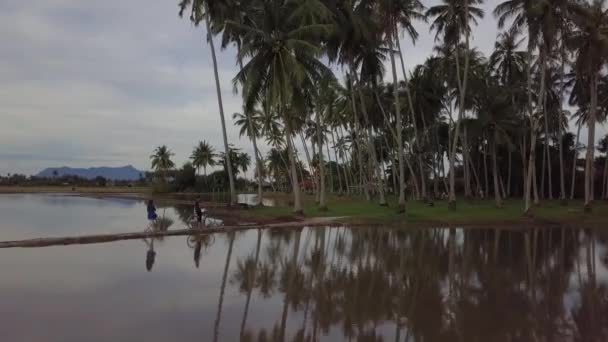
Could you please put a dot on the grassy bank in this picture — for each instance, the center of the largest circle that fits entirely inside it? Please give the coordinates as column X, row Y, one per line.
column 468, row 212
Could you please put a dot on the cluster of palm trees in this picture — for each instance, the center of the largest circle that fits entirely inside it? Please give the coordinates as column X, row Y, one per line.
column 203, row 156
column 315, row 70
column 428, row 284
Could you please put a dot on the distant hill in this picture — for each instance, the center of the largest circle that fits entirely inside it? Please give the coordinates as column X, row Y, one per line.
column 112, row 173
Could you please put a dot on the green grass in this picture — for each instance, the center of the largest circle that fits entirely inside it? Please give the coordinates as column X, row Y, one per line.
column 467, row 212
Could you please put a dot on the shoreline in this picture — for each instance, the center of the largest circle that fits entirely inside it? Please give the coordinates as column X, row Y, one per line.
column 355, row 212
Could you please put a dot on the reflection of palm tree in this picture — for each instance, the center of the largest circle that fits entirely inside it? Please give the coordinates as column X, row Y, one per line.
column 223, row 288
column 250, row 282
column 291, row 271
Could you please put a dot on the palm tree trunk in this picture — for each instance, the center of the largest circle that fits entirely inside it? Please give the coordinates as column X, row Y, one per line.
column 297, row 196
column 322, row 202
column 589, row 163
column 337, row 157
column 218, row 317
column 348, row 165
column 408, row 93
column 259, row 169
column 605, row 178
column 574, row 160
column 542, row 172
column 509, row 173
column 562, row 181
column 547, row 150
column 329, row 163
column 356, row 140
column 250, row 283
column 401, row 202
column 465, row 159
column 531, row 177
column 497, row 197
column 524, row 161
column 223, row 120
column 372, row 151
column 314, row 174
column 486, row 189
column 462, row 85
column 475, row 177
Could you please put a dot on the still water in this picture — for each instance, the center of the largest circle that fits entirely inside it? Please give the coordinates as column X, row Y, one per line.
column 339, row 284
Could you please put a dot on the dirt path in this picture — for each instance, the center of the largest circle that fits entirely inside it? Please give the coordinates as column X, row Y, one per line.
column 104, row 238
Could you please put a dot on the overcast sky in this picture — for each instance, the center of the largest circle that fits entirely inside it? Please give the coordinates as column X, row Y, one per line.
column 91, row 83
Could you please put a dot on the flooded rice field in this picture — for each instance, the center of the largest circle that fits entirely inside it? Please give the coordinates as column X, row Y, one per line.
column 309, row 284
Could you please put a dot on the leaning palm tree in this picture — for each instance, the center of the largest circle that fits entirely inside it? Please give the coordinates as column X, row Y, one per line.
column 202, row 10
column 395, row 13
column 203, row 155
column 250, row 125
column 452, row 20
column 589, row 41
column 283, row 65
column 524, row 14
column 161, row 160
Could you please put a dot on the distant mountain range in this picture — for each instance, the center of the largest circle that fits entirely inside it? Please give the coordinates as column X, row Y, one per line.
column 112, row 173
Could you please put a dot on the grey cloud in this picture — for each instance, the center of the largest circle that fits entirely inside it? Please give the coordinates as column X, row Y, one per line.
column 115, row 78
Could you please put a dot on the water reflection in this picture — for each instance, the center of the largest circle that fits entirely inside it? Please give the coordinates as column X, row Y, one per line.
column 339, row 284
column 252, row 200
column 427, row 285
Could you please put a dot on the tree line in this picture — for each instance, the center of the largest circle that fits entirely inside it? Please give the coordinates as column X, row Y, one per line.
column 314, row 73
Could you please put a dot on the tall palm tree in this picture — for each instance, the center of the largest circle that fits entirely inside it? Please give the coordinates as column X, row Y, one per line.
column 508, row 63
column 202, row 10
column 161, row 160
column 493, row 106
column 250, row 125
column 203, row 155
column 589, row 41
column 395, row 13
column 283, row 65
column 452, row 20
column 524, row 14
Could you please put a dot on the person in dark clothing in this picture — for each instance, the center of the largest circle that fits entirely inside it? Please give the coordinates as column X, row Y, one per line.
column 198, row 212
column 151, row 212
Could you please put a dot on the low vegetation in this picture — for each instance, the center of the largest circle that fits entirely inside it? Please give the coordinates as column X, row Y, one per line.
column 474, row 212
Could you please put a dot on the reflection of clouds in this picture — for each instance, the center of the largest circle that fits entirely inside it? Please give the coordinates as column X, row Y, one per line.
column 32, row 216
column 103, row 292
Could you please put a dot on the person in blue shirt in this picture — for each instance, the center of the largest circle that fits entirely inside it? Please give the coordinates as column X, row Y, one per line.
column 151, row 212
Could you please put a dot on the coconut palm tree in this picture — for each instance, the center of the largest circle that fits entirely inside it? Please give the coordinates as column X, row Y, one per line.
column 507, row 61
column 523, row 14
column 395, row 13
column 250, row 125
column 493, row 106
column 202, row 10
column 283, row 64
column 589, row 42
column 203, row 155
column 161, row 160
column 452, row 21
